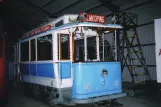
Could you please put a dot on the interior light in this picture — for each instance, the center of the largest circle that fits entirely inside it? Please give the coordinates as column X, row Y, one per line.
column 85, row 28
column 106, row 31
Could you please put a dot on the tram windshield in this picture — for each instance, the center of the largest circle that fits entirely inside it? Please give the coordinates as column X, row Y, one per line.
column 94, row 48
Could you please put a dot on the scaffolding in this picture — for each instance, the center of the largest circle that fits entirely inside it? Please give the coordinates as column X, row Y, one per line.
column 131, row 53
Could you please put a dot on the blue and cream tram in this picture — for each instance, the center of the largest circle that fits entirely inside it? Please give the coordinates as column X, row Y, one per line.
column 68, row 60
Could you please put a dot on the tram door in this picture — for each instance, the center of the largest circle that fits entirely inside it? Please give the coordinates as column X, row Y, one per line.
column 16, row 60
column 64, row 56
column 81, row 53
column 10, row 64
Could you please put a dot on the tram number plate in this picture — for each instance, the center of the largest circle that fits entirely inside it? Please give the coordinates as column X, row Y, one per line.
column 88, row 87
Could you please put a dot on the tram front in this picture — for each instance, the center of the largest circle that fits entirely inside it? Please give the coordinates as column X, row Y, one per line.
column 96, row 69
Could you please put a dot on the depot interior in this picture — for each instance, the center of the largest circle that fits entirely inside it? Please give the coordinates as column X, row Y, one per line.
column 136, row 16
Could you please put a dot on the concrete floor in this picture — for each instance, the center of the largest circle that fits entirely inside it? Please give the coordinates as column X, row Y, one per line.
column 17, row 99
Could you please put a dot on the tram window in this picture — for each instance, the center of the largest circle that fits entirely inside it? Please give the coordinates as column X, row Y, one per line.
column 107, row 51
column 81, row 53
column 32, row 50
column 64, row 46
column 91, row 48
column 44, row 48
column 59, row 23
column 25, row 51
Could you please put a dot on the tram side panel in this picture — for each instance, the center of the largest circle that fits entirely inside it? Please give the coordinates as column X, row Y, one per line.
column 37, row 72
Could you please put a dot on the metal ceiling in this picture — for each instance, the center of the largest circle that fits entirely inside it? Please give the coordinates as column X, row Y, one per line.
column 30, row 13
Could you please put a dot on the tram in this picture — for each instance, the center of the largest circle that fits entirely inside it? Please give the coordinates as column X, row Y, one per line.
column 68, row 60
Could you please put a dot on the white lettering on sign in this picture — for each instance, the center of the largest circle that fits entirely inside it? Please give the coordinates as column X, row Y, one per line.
column 95, row 18
column 37, row 31
column 88, row 87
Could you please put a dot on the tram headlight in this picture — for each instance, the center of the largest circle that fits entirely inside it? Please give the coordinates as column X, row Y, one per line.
column 104, row 72
column 72, row 19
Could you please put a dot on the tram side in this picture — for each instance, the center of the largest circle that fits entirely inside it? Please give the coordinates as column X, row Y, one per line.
column 37, row 66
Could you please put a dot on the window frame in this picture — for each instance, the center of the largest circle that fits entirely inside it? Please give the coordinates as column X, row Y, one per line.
column 21, row 51
column 60, row 46
column 35, row 50
column 51, row 47
column 92, row 45
column 59, row 23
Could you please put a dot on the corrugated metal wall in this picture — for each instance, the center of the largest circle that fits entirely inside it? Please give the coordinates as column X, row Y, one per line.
column 146, row 13
column 146, row 34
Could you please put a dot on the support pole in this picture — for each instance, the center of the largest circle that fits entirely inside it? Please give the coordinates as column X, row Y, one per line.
column 85, row 47
column 103, row 46
column 116, row 46
column 97, row 44
column 71, row 45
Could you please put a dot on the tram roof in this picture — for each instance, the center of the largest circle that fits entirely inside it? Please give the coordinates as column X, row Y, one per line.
column 77, row 24
column 89, row 24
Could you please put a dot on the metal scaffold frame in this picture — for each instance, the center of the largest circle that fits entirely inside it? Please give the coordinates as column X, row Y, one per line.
column 131, row 53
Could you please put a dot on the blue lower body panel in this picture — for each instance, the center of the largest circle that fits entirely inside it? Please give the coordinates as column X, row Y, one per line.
column 65, row 70
column 38, row 69
column 33, row 69
column 90, row 80
column 45, row 70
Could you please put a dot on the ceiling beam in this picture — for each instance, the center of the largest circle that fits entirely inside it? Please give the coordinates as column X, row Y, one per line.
column 93, row 7
column 35, row 6
column 7, row 17
column 65, row 8
column 22, row 5
column 134, row 6
column 39, row 9
column 108, row 4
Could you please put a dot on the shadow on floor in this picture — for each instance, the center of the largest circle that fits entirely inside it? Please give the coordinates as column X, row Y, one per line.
column 18, row 99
